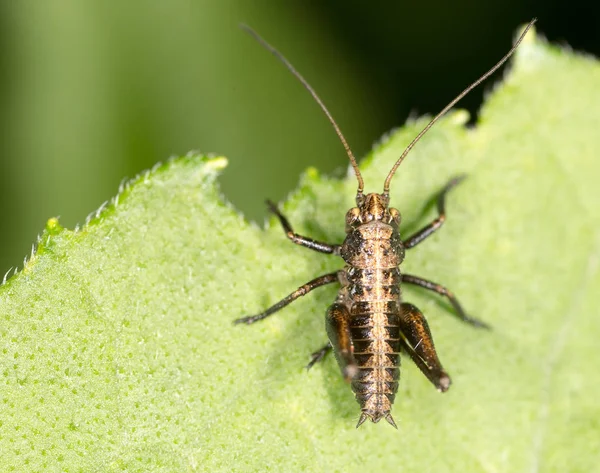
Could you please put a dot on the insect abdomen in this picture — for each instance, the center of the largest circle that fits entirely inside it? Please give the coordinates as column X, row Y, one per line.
column 375, row 332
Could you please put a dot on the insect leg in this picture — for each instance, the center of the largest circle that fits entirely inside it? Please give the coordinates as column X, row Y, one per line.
column 319, row 355
column 419, row 236
column 441, row 290
column 302, row 290
column 337, row 323
column 300, row 240
column 418, row 342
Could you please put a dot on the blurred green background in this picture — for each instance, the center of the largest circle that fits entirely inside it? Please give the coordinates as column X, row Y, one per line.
column 92, row 92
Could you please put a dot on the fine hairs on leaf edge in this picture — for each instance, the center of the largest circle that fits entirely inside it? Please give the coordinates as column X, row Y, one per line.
column 217, row 162
column 210, row 162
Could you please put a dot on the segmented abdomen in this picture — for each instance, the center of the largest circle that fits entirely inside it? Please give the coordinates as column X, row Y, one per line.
column 375, row 332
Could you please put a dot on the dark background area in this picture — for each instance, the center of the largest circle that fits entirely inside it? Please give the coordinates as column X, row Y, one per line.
column 92, row 92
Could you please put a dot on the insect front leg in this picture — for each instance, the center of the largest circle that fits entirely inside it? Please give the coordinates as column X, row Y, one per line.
column 337, row 323
column 441, row 290
column 418, row 342
column 302, row 290
column 300, row 240
column 419, row 236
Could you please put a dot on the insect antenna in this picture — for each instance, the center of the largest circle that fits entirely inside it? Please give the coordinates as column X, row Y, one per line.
column 307, row 86
column 386, row 185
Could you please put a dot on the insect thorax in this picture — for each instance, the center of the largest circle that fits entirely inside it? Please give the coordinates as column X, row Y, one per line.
column 373, row 240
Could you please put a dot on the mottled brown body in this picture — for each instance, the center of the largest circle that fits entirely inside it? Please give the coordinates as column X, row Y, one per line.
column 371, row 293
column 369, row 325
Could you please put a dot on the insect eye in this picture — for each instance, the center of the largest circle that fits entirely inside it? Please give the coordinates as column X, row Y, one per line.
column 352, row 216
column 395, row 215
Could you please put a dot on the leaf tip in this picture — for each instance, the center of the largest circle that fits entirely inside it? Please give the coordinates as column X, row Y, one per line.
column 217, row 163
column 531, row 51
column 53, row 227
column 312, row 173
column 530, row 37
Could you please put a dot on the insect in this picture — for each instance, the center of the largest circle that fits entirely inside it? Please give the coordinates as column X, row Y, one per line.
column 368, row 325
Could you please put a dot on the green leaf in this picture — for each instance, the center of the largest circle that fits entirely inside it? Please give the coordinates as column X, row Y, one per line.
column 118, row 352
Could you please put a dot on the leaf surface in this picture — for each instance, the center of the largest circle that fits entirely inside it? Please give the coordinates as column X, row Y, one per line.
column 118, row 351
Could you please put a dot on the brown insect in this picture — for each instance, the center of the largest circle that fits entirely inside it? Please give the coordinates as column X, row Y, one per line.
column 368, row 325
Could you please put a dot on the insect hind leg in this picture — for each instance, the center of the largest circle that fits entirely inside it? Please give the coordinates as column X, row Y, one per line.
column 319, row 355
column 418, row 342
column 337, row 323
